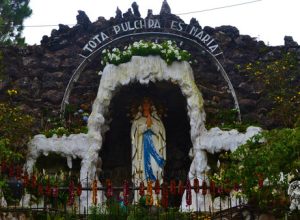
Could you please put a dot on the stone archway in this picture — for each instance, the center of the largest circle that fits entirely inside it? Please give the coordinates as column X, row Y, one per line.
column 144, row 70
column 117, row 147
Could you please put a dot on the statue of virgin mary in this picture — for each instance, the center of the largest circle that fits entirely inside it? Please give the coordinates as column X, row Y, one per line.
column 148, row 138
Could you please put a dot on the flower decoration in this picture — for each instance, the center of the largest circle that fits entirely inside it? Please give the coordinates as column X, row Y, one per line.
column 167, row 50
column 12, row 92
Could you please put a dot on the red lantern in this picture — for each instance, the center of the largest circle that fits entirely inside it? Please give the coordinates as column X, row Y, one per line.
column 260, row 181
column 164, row 192
column 196, row 185
column 33, row 181
column 188, row 193
column 109, row 190
column 236, row 187
column 212, row 188
column 149, row 196
column 11, row 172
column 157, row 187
column 55, row 192
column 126, row 192
column 79, row 189
column 18, row 172
column 48, row 190
column 220, row 190
column 71, row 193
column 40, row 190
column 94, row 192
column 204, row 188
column 25, row 180
column 142, row 189
column 180, row 188
column 3, row 166
column 173, row 187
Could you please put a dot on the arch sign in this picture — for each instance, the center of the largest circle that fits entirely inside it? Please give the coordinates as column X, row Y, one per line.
column 173, row 27
column 155, row 28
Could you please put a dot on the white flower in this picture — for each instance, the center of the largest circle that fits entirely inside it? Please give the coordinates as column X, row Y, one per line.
column 104, row 51
column 164, row 51
column 290, row 177
column 274, row 192
column 115, row 50
column 136, row 44
column 169, row 42
column 171, row 48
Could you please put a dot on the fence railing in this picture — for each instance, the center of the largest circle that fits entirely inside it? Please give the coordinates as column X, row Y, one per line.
column 42, row 195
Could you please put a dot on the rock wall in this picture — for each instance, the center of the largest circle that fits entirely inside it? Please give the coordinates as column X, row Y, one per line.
column 41, row 72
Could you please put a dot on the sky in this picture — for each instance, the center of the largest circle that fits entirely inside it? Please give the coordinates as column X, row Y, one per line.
column 267, row 20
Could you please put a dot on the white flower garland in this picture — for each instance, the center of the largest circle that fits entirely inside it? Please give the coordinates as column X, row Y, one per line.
column 167, row 50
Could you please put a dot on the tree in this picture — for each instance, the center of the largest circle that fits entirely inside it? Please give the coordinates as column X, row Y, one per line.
column 12, row 15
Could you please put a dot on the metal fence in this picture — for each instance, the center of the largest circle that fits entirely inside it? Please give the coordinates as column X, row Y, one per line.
column 37, row 197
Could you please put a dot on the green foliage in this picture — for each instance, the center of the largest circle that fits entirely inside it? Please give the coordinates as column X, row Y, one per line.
column 75, row 121
column 263, row 167
column 2, row 75
column 226, row 119
column 280, row 81
column 55, row 216
column 112, row 209
column 167, row 50
column 15, row 126
column 12, row 15
column 6, row 153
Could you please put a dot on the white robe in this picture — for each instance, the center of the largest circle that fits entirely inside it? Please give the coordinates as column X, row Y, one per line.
column 139, row 126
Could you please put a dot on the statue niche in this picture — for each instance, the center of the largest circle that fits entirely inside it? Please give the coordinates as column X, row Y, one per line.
column 170, row 127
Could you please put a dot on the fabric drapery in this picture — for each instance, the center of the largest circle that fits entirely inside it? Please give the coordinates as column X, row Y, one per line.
column 149, row 150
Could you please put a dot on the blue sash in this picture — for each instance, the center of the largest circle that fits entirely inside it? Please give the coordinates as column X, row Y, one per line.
column 149, row 149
